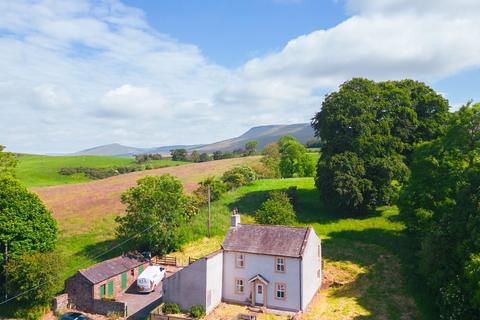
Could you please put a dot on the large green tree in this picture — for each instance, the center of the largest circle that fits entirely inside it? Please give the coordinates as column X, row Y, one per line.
column 25, row 223
column 440, row 205
column 368, row 131
column 156, row 208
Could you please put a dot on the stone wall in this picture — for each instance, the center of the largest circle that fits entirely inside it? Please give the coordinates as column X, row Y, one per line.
column 60, row 303
column 106, row 307
column 79, row 292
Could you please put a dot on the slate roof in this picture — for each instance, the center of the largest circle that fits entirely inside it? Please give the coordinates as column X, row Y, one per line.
column 267, row 239
column 109, row 268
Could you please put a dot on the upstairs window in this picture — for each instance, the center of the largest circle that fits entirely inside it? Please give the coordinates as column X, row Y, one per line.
column 280, row 264
column 240, row 260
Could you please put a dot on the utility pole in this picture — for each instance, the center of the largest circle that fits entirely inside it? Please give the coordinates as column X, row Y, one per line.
column 209, row 215
column 4, row 269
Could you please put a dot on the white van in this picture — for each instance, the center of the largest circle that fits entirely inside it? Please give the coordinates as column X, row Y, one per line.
column 149, row 279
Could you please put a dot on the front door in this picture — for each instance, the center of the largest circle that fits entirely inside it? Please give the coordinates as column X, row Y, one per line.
column 259, row 293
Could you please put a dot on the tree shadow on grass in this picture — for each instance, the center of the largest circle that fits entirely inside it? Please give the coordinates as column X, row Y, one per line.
column 103, row 250
column 309, row 208
column 386, row 286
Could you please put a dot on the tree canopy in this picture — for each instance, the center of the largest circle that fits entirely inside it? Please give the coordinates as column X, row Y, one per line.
column 158, row 205
column 294, row 159
column 25, row 223
column 179, row 155
column 368, row 131
column 440, row 205
column 251, row 147
column 8, row 161
column 277, row 209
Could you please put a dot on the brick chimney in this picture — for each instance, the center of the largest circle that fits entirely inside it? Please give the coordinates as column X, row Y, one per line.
column 235, row 219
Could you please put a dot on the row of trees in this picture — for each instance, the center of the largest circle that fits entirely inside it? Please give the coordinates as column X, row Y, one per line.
column 441, row 207
column 195, row 156
column 368, row 132
column 396, row 142
column 28, row 237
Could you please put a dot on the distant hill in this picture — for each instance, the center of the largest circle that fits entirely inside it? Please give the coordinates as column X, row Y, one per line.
column 113, row 149
column 263, row 134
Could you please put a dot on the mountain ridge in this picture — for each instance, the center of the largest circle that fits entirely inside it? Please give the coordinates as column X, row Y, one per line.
column 263, row 134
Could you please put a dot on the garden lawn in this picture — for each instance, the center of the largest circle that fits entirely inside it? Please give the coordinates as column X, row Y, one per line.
column 367, row 274
column 41, row 171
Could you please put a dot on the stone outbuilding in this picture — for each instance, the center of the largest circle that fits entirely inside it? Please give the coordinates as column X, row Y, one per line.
column 104, row 280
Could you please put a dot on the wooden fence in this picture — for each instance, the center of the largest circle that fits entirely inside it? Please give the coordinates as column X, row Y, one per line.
column 165, row 260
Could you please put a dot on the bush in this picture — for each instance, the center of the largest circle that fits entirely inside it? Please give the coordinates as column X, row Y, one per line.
column 197, row 311
column 217, row 188
column 239, row 176
column 171, row 308
column 276, row 210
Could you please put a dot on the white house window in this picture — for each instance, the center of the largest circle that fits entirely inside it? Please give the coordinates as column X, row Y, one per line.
column 239, row 285
column 279, row 264
column 280, row 291
column 319, row 273
column 319, row 251
column 240, row 260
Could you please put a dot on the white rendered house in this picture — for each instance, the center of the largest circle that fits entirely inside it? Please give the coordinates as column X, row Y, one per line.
column 277, row 267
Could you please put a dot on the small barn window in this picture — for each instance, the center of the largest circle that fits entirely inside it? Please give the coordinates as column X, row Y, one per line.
column 239, row 285
column 280, row 291
column 280, row 264
column 240, row 260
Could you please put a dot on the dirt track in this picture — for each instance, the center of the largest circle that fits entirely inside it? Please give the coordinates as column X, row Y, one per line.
column 97, row 198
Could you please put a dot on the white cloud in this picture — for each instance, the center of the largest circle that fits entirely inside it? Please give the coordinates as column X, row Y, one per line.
column 77, row 74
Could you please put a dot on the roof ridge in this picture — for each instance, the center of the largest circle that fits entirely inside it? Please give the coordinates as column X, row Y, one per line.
column 274, row 225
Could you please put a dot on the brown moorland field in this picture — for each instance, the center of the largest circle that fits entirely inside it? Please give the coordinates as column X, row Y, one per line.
column 86, row 212
column 75, row 202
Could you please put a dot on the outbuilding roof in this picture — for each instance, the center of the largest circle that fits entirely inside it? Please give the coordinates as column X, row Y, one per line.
column 267, row 239
column 109, row 268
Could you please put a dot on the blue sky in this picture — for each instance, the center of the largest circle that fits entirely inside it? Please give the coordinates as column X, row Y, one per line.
column 233, row 32
column 76, row 74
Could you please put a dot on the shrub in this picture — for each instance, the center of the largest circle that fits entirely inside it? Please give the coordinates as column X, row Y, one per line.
column 239, row 176
column 276, row 210
column 171, row 308
column 197, row 311
column 217, row 188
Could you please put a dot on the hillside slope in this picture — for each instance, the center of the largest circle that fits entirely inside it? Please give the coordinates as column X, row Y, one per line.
column 263, row 134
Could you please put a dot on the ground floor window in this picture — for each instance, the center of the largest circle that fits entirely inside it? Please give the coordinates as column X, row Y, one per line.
column 239, row 285
column 280, row 291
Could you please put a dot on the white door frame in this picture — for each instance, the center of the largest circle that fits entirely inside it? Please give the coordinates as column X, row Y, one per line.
column 259, row 297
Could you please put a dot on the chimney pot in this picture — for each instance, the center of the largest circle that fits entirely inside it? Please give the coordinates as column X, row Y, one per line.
column 235, row 219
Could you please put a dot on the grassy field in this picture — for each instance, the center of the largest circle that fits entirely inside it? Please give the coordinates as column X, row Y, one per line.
column 367, row 272
column 367, row 257
column 41, row 171
column 86, row 212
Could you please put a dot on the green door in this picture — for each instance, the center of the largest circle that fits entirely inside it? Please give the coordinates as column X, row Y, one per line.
column 102, row 291
column 140, row 269
column 124, row 280
column 110, row 288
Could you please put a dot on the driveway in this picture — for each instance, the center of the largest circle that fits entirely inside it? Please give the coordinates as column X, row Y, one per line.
column 140, row 304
